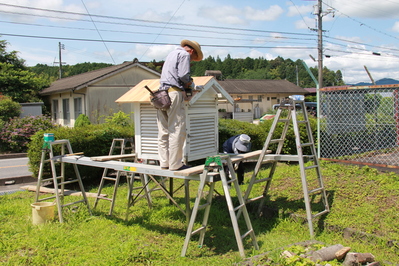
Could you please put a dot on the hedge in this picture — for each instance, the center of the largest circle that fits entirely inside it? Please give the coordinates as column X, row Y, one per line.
column 93, row 140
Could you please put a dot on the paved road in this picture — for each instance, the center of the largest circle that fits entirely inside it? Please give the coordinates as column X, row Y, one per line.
column 15, row 167
column 14, row 173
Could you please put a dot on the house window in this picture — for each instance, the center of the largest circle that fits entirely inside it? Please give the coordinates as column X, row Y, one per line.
column 55, row 110
column 259, row 98
column 77, row 105
column 268, row 98
column 65, row 111
column 250, row 97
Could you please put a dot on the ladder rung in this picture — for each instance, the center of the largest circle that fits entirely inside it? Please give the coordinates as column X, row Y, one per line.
column 198, row 230
column 254, row 199
column 109, row 178
column 320, row 213
column 307, row 144
column 71, row 203
column 262, row 180
column 203, row 206
column 246, row 234
column 284, row 120
column 302, row 122
column 47, row 179
column 51, row 197
column 230, row 181
column 276, row 140
column 239, row 207
column 104, row 198
column 213, row 173
column 311, row 167
column 316, row 190
column 68, row 182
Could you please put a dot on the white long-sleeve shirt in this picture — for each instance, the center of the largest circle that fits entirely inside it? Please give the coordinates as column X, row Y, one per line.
column 176, row 69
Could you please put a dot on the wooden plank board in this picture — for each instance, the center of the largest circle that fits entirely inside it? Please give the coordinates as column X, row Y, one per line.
column 235, row 158
column 66, row 191
column 112, row 157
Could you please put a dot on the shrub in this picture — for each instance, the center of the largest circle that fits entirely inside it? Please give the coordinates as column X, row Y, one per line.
column 8, row 108
column 82, row 120
column 93, row 140
column 16, row 133
column 120, row 118
column 232, row 127
column 259, row 133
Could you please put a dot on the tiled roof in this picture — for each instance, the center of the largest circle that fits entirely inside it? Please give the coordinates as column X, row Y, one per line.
column 260, row 86
column 80, row 81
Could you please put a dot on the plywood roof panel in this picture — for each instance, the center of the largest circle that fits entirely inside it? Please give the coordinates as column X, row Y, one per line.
column 139, row 94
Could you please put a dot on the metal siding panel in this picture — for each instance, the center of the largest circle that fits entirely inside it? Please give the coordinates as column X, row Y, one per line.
column 148, row 132
column 202, row 130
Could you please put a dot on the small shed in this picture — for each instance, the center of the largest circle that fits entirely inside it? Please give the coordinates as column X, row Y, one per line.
column 201, row 118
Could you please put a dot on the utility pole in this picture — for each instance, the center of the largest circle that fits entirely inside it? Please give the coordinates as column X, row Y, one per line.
column 60, row 47
column 320, row 41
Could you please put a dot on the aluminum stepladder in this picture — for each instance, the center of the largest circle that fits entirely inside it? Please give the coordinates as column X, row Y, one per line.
column 133, row 197
column 59, row 181
column 212, row 169
column 306, row 152
column 118, row 147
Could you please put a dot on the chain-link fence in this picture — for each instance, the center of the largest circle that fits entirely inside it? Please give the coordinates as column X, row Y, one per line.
column 360, row 124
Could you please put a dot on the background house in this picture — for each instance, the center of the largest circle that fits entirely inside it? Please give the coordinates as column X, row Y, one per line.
column 94, row 93
column 253, row 98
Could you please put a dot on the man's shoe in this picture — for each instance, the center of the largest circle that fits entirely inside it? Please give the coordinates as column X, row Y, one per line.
column 183, row 167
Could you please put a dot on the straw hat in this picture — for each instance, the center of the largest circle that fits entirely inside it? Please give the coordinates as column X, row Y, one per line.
column 195, row 46
column 242, row 143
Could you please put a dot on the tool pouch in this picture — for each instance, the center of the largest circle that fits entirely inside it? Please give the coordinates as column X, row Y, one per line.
column 160, row 99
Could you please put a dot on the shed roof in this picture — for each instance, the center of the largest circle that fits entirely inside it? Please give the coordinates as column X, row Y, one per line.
column 139, row 94
column 83, row 80
column 260, row 86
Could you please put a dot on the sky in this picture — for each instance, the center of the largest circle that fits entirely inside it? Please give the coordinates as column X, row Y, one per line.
column 357, row 34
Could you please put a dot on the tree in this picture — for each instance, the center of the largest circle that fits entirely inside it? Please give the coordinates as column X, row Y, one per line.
column 11, row 57
column 8, row 108
column 16, row 81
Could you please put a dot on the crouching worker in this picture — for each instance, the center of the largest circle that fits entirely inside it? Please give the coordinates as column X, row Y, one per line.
column 236, row 145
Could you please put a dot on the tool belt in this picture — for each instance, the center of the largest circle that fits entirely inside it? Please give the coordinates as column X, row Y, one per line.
column 159, row 99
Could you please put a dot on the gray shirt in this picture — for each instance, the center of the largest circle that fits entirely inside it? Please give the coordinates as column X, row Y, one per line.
column 176, row 69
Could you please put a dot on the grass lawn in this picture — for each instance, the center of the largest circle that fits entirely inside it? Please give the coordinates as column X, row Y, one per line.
column 363, row 201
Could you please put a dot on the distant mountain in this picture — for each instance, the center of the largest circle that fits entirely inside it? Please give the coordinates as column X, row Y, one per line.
column 384, row 81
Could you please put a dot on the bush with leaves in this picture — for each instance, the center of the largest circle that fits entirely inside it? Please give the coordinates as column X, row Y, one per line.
column 16, row 133
column 92, row 140
column 120, row 118
column 8, row 108
column 259, row 133
column 82, row 120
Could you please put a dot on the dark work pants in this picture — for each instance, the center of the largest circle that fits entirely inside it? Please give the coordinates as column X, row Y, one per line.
column 239, row 172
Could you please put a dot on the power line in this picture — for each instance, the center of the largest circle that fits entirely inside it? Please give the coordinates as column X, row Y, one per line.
column 149, row 43
column 270, row 38
column 362, row 23
column 95, row 26
column 164, row 27
column 149, row 21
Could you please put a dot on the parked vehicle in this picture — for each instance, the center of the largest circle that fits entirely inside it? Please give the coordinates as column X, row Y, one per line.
column 310, row 106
